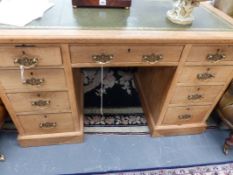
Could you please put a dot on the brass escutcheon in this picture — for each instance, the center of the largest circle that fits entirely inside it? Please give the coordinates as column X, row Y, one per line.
column 34, row 81
column 216, row 57
column 41, row 103
column 152, row 58
column 26, row 61
column 185, row 117
column 102, row 58
column 48, row 125
column 195, row 97
column 205, row 76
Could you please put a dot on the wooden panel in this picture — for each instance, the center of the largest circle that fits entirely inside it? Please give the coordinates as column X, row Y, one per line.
column 205, row 74
column 153, row 84
column 45, row 55
column 47, row 123
column 188, row 95
column 185, row 115
column 169, row 130
column 50, row 139
column 74, row 83
column 53, row 102
column 200, row 53
column 127, row 54
column 54, row 79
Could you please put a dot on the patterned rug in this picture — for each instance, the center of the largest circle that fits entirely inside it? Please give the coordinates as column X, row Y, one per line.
column 225, row 168
column 115, row 121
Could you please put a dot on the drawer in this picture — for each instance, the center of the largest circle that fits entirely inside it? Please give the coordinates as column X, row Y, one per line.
column 196, row 94
column 47, row 123
column 211, row 54
column 40, row 102
column 117, row 54
column 34, row 56
column 185, row 115
column 200, row 74
column 37, row 79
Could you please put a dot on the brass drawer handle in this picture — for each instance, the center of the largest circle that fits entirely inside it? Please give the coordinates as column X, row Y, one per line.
column 216, row 57
column 152, row 58
column 195, row 97
column 185, row 117
column 34, row 81
column 48, row 125
column 205, row 76
column 41, row 103
column 102, row 58
column 26, row 61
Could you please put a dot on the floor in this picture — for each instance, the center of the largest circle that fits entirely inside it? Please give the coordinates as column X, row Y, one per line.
column 112, row 152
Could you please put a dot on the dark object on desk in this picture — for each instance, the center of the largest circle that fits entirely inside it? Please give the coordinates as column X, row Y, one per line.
column 102, row 3
column 225, row 110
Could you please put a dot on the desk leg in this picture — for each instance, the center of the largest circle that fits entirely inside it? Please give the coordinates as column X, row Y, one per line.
column 228, row 143
column 2, row 158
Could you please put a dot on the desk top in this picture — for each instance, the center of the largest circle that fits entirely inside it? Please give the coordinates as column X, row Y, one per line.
column 143, row 15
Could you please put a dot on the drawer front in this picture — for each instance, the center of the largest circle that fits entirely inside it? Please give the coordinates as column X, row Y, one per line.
column 202, row 74
column 195, row 94
column 40, row 102
column 37, row 79
column 45, row 124
column 211, row 54
column 116, row 54
column 30, row 56
column 185, row 115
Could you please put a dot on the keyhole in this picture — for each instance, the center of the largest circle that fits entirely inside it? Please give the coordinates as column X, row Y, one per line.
column 38, row 95
column 129, row 50
column 198, row 89
column 208, row 69
column 45, row 116
column 31, row 73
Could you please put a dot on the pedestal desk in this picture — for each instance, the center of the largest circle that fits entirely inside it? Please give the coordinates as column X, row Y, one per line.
column 182, row 71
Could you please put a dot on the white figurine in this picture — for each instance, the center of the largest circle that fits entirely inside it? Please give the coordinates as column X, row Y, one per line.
column 182, row 11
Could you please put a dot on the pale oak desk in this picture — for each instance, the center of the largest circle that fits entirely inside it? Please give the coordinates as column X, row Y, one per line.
column 182, row 71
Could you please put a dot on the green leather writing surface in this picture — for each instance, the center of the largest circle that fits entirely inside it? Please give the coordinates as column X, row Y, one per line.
column 143, row 15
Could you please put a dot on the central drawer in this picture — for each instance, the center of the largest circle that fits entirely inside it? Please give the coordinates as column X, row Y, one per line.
column 45, row 124
column 36, row 79
column 12, row 56
column 40, row 102
column 131, row 53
